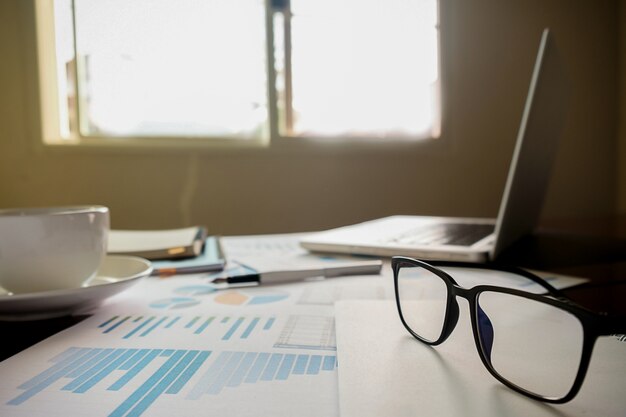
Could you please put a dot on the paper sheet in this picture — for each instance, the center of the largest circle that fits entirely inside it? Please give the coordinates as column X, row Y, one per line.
column 386, row 372
column 174, row 347
column 271, row 253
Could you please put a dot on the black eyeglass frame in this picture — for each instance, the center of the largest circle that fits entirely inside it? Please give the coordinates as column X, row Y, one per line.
column 593, row 324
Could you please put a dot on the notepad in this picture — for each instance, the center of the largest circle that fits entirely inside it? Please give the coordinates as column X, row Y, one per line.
column 211, row 259
column 158, row 244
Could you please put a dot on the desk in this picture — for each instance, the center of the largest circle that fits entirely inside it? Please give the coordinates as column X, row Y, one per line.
column 599, row 255
column 600, row 258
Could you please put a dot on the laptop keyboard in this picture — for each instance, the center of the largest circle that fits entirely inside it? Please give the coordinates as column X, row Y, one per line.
column 460, row 234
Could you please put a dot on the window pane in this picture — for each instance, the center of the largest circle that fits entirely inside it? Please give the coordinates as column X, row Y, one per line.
column 364, row 67
column 64, row 44
column 162, row 67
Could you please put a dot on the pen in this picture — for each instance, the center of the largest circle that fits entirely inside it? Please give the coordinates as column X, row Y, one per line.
column 275, row 277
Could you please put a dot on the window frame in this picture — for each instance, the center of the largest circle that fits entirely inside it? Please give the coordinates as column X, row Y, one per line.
column 50, row 113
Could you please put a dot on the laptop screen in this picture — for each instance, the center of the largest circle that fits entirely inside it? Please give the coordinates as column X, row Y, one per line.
column 536, row 147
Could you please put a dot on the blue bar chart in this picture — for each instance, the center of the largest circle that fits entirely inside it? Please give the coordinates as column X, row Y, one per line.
column 226, row 327
column 87, row 367
column 235, row 369
column 142, row 376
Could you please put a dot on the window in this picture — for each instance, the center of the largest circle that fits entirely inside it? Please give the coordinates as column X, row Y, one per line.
column 243, row 70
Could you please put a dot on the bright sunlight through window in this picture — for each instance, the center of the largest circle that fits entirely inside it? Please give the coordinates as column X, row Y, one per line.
column 247, row 69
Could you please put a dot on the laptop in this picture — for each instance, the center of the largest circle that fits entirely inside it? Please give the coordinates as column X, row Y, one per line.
column 473, row 239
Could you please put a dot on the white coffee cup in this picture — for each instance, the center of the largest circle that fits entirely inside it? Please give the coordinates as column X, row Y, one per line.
column 52, row 248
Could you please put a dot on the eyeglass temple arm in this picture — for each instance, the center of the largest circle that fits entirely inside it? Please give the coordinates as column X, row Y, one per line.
column 504, row 268
column 615, row 326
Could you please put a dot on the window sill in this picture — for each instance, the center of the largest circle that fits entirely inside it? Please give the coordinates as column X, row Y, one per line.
column 282, row 145
column 153, row 143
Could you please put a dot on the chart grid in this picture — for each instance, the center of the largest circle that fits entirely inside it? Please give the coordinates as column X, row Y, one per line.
column 308, row 332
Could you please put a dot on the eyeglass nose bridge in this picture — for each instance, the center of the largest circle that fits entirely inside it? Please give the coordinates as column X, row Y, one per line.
column 481, row 321
column 452, row 313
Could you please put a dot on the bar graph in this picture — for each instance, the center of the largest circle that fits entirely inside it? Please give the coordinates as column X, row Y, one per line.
column 85, row 368
column 233, row 369
column 136, row 378
column 225, row 328
column 308, row 332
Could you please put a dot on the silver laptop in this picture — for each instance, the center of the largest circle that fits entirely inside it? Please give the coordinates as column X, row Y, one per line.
column 471, row 239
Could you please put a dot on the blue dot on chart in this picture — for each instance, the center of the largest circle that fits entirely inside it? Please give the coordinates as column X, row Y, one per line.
column 195, row 290
column 175, row 302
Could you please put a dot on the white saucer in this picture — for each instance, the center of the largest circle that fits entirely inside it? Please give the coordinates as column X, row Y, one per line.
column 116, row 274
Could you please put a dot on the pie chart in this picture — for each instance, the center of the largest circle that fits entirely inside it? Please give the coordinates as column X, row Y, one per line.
column 174, row 303
column 250, row 298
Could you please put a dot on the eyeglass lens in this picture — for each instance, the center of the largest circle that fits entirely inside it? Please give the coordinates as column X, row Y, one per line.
column 532, row 344
column 422, row 298
column 535, row 345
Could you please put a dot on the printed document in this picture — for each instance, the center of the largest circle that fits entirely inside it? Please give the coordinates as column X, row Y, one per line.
column 386, row 372
column 177, row 347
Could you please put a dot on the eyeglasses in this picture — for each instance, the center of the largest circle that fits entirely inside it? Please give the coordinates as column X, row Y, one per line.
column 536, row 344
